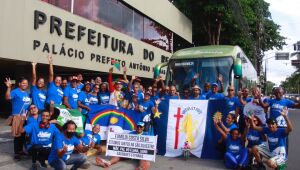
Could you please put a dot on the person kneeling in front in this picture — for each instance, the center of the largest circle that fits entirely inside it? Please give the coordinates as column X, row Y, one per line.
column 62, row 154
column 41, row 137
column 143, row 164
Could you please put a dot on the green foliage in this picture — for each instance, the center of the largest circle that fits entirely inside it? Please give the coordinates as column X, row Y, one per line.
column 292, row 83
column 214, row 22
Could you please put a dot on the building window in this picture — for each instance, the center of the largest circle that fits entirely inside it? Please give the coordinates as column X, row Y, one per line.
column 114, row 14
column 64, row 4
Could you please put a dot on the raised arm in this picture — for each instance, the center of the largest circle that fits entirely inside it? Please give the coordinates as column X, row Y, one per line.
column 51, row 73
column 8, row 90
column 287, row 120
column 130, row 83
column 246, row 131
column 220, row 79
column 109, row 79
column 33, row 82
column 223, row 134
column 125, row 75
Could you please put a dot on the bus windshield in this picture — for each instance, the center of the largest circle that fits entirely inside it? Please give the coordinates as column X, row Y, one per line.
column 182, row 72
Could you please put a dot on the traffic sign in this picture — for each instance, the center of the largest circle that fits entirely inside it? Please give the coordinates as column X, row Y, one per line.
column 282, row 56
column 296, row 63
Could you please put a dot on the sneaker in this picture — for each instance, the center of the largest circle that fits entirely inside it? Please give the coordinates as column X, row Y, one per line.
column 34, row 166
column 85, row 165
column 17, row 157
column 43, row 164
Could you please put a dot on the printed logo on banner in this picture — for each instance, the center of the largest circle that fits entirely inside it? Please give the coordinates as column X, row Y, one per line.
column 186, row 123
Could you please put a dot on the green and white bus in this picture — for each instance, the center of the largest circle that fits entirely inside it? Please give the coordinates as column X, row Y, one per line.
column 209, row 62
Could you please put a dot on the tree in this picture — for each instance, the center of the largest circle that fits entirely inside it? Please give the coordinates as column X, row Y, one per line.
column 216, row 22
column 292, row 83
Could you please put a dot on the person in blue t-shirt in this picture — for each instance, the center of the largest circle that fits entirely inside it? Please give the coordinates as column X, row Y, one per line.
column 230, row 123
column 197, row 93
column 214, row 94
column 206, row 90
column 54, row 92
column 38, row 93
column 243, row 100
column 79, row 84
column 20, row 102
column 231, row 100
column 70, row 95
column 134, row 104
column 83, row 102
column 143, row 164
column 236, row 155
column 63, row 146
column 277, row 105
column 253, row 137
column 93, row 95
column 275, row 152
column 172, row 93
column 147, row 108
column 92, row 138
column 41, row 137
column 34, row 116
column 104, row 94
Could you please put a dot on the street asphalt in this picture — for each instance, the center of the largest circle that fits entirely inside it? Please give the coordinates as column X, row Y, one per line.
column 162, row 163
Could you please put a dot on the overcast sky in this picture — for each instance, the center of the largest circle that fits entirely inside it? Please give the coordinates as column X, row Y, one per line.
column 286, row 14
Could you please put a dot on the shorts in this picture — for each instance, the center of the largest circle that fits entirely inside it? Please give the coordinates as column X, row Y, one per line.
column 278, row 156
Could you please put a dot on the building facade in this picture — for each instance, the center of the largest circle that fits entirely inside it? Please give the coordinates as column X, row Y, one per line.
column 88, row 36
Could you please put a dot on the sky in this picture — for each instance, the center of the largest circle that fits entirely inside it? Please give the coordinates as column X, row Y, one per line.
column 286, row 14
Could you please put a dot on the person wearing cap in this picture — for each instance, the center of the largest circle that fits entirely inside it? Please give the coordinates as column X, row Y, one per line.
column 197, row 93
column 70, row 95
column 215, row 95
column 116, row 95
column 275, row 149
column 143, row 164
column 231, row 100
column 147, row 107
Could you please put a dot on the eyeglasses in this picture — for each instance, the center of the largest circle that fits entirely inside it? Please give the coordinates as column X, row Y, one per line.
column 230, row 90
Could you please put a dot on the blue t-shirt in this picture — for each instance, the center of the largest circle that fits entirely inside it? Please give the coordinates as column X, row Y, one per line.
column 20, row 101
column 71, row 94
column 232, row 126
column 233, row 146
column 147, row 107
column 232, row 103
column 79, row 87
column 58, row 144
column 41, row 136
column 89, row 136
column 104, row 97
column 143, row 133
column 254, row 138
column 198, row 98
column 93, row 99
column 275, row 139
column 31, row 119
column 38, row 97
column 54, row 93
column 215, row 96
column 83, row 98
column 140, row 96
column 168, row 97
column 276, row 107
column 205, row 94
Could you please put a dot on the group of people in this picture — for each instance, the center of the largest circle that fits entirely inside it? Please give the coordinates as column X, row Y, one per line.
column 248, row 136
column 244, row 136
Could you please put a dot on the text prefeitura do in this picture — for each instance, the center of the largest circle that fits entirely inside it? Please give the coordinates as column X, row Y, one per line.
column 92, row 37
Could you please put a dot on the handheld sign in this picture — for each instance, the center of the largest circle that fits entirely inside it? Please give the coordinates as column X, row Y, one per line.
column 131, row 146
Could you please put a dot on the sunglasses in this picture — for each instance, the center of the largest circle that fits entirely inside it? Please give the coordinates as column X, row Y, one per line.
column 230, row 90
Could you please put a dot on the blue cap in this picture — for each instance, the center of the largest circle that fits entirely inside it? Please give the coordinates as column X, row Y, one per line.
column 214, row 84
column 140, row 124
